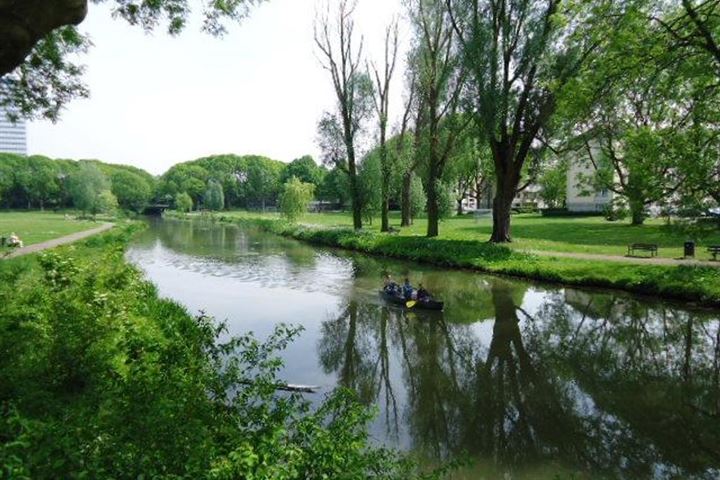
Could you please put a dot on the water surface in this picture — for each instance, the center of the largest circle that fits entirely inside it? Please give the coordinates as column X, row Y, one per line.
column 529, row 380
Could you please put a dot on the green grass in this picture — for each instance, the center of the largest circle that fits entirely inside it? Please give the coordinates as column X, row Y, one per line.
column 35, row 227
column 685, row 282
column 593, row 235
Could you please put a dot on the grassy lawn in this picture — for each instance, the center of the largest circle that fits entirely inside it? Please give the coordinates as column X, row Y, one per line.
column 562, row 234
column 35, row 227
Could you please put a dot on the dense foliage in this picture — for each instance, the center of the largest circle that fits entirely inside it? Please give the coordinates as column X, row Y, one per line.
column 249, row 181
column 102, row 379
column 40, row 182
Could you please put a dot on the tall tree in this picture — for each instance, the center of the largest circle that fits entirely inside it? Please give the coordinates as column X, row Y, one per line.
column 520, row 54
column 440, row 83
column 382, row 107
column 335, row 40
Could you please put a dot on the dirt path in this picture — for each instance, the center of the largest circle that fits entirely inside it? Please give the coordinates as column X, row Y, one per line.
column 618, row 258
column 37, row 247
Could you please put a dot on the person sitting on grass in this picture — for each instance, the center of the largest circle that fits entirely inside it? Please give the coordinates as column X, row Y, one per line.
column 407, row 289
column 14, row 241
column 422, row 294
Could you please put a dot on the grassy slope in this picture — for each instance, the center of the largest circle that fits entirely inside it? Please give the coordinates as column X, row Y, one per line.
column 563, row 234
column 35, row 227
column 697, row 284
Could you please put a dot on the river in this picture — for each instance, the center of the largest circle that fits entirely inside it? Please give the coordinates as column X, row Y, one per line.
column 529, row 380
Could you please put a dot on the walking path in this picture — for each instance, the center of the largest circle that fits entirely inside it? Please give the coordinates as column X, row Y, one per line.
column 37, row 247
column 618, row 258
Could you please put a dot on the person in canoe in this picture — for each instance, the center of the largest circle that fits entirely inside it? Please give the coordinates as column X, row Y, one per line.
column 422, row 294
column 407, row 289
column 390, row 286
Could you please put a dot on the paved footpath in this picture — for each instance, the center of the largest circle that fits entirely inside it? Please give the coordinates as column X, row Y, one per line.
column 618, row 258
column 56, row 242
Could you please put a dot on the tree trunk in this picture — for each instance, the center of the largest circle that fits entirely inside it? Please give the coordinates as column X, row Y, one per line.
column 385, row 221
column 406, row 206
column 637, row 211
column 385, row 185
column 501, row 219
column 460, row 207
column 507, row 178
column 356, row 203
column 354, row 187
column 433, row 212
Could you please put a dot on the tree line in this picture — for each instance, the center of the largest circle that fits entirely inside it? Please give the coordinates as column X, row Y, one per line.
column 92, row 186
column 213, row 183
column 506, row 93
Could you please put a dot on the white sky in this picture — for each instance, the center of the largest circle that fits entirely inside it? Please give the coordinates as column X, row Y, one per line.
column 158, row 100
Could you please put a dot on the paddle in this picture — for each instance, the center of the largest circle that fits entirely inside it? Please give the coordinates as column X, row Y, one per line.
column 410, row 303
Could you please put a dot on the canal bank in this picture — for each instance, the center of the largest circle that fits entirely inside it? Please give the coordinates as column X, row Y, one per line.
column 699, row 285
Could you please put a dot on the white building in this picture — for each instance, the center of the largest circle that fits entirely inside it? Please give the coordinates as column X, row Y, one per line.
column 13, row 136
column 580, row 195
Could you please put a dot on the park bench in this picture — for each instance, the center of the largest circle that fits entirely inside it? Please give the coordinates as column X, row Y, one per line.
column 646, row 247
column 714, row 249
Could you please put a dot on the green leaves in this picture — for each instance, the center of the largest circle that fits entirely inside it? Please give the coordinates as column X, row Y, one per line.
column 40, row 87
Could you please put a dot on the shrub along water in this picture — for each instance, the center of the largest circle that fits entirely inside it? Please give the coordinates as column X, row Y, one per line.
column 689, row 283
column 103, row 379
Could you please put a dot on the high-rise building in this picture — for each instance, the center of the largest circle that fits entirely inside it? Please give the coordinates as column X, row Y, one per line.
column 13, row 136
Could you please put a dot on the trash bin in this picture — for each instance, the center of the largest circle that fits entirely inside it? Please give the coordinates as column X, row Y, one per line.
column 689, row 249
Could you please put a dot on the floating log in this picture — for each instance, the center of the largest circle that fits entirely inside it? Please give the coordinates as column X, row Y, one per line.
column 289, row 387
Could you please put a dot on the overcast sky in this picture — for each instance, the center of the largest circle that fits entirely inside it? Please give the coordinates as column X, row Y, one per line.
column 158, row 100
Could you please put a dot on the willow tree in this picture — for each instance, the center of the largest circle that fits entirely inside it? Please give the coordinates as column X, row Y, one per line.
column 439, row 86
column 521, row 55
column 339, row 55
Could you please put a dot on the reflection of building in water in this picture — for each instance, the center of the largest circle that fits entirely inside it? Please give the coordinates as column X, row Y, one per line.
column 595, row 305
column 13, row 136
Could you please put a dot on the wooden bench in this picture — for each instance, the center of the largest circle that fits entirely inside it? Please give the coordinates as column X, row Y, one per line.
column 714, row 249
column 646, row 247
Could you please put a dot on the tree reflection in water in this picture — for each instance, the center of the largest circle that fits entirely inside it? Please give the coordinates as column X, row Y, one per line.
column 596, row 383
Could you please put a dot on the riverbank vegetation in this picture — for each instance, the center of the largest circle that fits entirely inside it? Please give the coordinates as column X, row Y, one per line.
column 533, row 232
column 103, row 379
column 689, row 283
